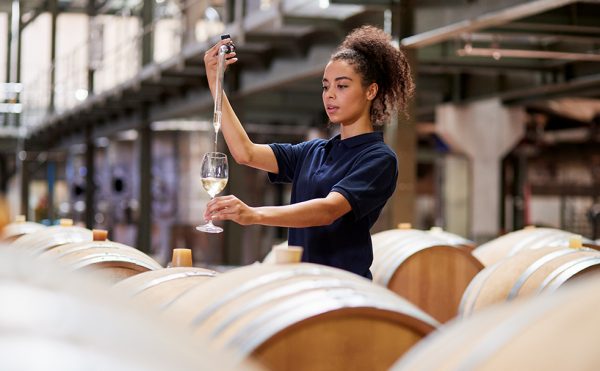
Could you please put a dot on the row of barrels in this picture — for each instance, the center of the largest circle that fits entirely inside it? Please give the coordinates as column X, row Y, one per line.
column 431, row 271
column 56, row 319
column 446, row 275
column 547, row 329
column 285, row 316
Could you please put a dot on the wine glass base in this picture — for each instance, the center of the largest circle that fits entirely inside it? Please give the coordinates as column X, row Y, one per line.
column 208, row 228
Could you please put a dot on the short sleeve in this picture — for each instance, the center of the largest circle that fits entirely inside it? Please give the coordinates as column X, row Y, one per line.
column 287, row 156
column 370, row 182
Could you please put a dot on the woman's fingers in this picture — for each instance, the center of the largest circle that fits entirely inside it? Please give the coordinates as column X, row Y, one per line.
column 213, row 52
column 217, row 206
column 227, row 208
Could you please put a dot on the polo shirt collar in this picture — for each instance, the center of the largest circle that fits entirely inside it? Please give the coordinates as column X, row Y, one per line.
column 357, row 140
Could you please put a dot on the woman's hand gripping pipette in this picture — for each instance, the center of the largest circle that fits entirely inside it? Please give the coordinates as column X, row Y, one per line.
column 225, row 52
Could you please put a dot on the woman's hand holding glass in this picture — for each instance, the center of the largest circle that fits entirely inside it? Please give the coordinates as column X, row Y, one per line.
column 214, row 176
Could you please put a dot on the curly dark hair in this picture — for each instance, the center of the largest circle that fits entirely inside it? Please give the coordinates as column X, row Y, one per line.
column 369, row 50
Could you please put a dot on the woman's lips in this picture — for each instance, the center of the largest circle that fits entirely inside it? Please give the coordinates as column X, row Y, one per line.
column 332, row 109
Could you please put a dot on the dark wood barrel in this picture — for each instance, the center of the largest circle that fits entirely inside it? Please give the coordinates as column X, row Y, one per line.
column 302, row 317
column 423, row 269
column 548, row 332
column 527, row 273
column 56, row 319
column 160, row 287
column 525, row 239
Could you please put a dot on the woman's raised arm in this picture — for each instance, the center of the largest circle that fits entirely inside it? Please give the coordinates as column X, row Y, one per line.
column 243, row 150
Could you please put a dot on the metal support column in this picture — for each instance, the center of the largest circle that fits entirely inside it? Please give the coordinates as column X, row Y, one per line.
column 8, row 59
column 519, row 181
column 8, row 48
column 144, row 233
column 3, row 175
column 14, row 75
column 90, row 184
column 403, row 137
column 91, row 12
column 53, row 7
column 147, row 37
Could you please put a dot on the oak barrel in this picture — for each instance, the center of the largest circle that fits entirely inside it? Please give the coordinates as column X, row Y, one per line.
column 423, row 269
column 528, row 273
column 114, row 263
column 302, row 317
column 52, row 319
column 557, row 331
column 525, row 239
column 18, row 228
column 160, row 287
column 451, row 238
column 39, row 241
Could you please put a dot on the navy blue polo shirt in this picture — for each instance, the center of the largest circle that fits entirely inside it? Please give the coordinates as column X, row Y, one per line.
column 361, row 168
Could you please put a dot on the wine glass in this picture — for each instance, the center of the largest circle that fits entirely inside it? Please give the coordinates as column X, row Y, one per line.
column 214, row 175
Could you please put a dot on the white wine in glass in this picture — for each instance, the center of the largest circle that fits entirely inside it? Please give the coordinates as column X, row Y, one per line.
column 214, row 175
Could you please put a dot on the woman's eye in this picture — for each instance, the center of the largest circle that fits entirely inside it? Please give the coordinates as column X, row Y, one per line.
column 325, row 87
column 342, row 86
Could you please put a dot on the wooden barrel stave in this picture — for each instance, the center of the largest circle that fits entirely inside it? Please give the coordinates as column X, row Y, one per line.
column 162, row 286
column 63, row 320
column 549, row 332
column 532, row 279
column 424, row 270
column 527, row 273
column 267, row 311
column 114, row 263
column 38, row 242
column 12, row 231
column 525, row 239
column 578, row 269
column 58, row 252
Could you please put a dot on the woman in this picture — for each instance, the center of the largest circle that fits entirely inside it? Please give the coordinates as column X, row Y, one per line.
column 340, row 185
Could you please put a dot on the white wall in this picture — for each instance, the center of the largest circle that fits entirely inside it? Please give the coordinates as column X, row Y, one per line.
column 3, row 46
column 545, row 211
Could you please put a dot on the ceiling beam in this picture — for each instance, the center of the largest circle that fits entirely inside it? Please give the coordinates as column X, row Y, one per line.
column 487, row 20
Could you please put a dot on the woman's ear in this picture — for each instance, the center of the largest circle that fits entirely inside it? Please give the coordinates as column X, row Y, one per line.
column 372, row 91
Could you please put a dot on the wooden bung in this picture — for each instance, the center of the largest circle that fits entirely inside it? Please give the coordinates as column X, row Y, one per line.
column 182, row 258
column 66, row 222
column 99, row 234
column 288, row 255
column 404, row 226
column 576, row 241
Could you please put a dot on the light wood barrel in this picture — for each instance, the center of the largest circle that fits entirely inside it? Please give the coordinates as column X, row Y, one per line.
column 14, row 230
column 423, row 269
column 62, row 320
column 525, row 239
column 38, row 242
column 452, row 239
column 302, row 317
column 528, row 273
column 549, row 332
column 112, row 260
column 159, row 288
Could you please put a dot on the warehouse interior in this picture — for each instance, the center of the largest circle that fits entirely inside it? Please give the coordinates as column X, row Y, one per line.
column 109, row 107
column 105, row 115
